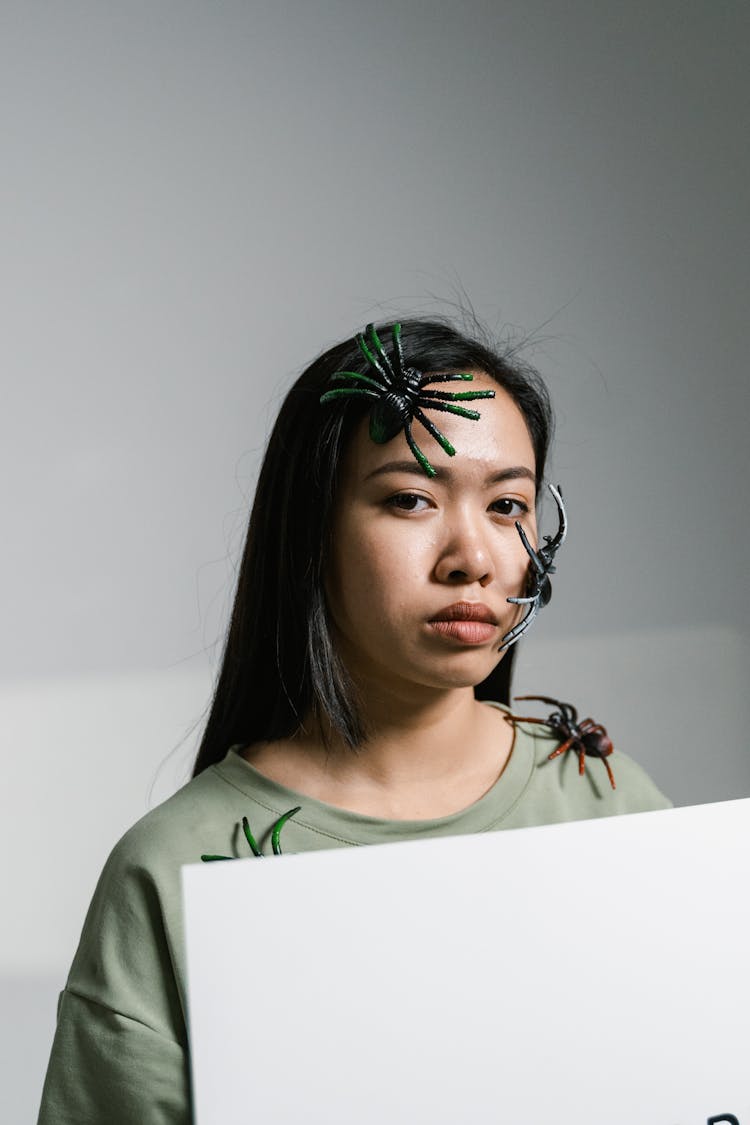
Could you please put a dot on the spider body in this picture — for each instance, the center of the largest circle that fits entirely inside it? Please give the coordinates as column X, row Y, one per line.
column 539, row 587
column 584, row 737
column 396, row 409
column 399, row 394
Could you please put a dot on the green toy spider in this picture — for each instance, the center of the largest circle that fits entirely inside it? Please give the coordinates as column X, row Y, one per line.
column 275, row 837
column 399, row 394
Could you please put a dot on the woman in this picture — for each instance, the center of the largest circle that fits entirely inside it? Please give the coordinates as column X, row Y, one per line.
column 390, row 565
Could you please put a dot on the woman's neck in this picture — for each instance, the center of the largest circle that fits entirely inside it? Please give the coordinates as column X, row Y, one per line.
column 419, row 762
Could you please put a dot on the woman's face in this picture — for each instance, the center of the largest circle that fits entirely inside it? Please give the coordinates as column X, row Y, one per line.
column 408, row 548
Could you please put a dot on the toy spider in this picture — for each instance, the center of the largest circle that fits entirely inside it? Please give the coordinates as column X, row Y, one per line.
column 586, row 737
column 275, row 837
column 542, row 565
column 399, row 394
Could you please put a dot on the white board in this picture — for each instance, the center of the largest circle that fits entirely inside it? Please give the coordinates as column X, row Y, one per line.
column 593, row 973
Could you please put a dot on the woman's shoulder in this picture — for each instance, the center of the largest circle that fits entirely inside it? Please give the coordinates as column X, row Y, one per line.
column 143, row 866
column 171, row 832
column 203, row 817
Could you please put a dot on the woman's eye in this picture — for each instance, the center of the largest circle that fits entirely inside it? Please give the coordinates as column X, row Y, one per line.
column 406, row 502
column 509, row 507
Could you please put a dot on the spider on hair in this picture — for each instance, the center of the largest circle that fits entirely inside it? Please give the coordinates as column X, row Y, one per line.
column 400, row 394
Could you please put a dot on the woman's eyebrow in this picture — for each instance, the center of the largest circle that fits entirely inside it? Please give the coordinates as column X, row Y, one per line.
column 513, row 472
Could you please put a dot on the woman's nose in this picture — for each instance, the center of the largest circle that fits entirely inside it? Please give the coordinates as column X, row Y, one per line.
column 465, row 555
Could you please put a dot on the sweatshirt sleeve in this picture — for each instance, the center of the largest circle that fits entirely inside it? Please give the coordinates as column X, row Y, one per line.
column 120, row 1049
column 107, row 1067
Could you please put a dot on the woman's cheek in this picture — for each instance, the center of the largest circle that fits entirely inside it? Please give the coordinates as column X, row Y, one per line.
column 513, row 561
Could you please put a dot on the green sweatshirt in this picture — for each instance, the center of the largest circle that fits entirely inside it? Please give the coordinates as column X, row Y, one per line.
column 120, row 1054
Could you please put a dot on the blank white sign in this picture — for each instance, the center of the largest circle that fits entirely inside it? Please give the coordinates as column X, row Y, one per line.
column 593, row 973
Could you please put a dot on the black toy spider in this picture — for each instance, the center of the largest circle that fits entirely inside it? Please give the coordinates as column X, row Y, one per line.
column 586, row 737
column 275, row 837
column 542, row 565
column 399, row 394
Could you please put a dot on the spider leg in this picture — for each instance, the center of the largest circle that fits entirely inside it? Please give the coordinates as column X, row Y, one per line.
column 447, row 407
column 542, row 567
column 342, row 392
column 383, row 356
column 419, row 455
column 456, row 396
column 571, row 714
column 611, row 776
column 588, row 726
column 518, row 630
column 562, row 748
column 581, row 761
column 396, row 338
column 553, row 545
column 542, row 559
column 250, row 838
column 543, row 699
column 536, row 561
column 427, row 379
column 340, row 375
column 533, row 600
column 379, row 359
column 373, row 360
column 525, row 719
column 432, row 428
column 276, row 834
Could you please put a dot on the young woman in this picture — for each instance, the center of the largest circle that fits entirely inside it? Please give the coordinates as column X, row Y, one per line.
column 392, row 560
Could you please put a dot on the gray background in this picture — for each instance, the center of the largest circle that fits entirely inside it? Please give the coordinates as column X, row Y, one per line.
column 197, row 198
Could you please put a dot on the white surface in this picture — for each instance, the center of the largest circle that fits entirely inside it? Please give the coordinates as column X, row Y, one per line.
column 580, row 973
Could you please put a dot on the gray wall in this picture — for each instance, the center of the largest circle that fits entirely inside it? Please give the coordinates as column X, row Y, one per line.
column 196, row 198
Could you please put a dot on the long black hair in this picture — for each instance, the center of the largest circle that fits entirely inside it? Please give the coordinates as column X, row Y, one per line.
column 279, row 660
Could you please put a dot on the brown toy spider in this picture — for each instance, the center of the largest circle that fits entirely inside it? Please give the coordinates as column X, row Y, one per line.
column 584, row 737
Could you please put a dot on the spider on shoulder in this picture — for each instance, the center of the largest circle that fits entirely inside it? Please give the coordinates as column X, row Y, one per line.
column 584, row 737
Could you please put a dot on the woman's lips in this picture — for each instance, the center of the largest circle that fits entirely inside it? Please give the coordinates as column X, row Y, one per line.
column 467, row 632
column 469, row 623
